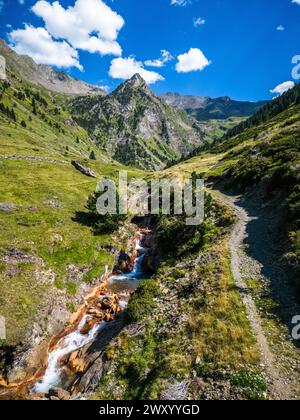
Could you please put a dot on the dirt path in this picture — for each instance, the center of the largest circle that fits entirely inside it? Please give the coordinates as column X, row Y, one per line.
column 279, row 388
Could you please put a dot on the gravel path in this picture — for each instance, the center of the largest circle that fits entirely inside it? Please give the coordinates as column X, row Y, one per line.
column 280, row 387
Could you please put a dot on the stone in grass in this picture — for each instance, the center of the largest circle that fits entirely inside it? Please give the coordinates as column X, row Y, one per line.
column 85, row 171
column 8, row 208
column 54, row 204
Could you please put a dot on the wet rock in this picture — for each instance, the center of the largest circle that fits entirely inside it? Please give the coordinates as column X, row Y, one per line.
column 106, row 303
column 107, row 317
column 37, row 397
column 91, row 311
column 82, row 169
column 8, row 208
column 54, row 399
column 77, row 365
column 59, row 393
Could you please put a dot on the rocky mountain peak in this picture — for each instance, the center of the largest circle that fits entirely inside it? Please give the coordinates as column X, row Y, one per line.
column 136, row 83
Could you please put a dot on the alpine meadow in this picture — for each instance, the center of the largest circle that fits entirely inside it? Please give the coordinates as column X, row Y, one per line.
column 149, row 203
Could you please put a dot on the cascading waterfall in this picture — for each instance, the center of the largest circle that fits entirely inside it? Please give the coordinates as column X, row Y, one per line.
column 68, row 345
column 76, row 340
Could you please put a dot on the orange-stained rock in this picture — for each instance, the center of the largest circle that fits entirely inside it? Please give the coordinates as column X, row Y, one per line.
column 77, row 365
column 88, row 326
column 91, row 310
column 99, row 316
column 107, row 317
column 37, row 397
column 73, row 356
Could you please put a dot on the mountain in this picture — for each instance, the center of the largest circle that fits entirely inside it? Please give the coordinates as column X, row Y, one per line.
column 261, row 156
column 205, row 108
column 43, row 75
column 136, row 127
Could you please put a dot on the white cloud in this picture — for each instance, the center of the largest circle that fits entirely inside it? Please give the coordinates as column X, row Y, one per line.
column 283, row 87
column 296, row 1
column 194, row 60
column 38, row 44
column 89, row 25
column 160, row 62
column 179, row 2
column 199, row 21
column 281, row 28
column 125, row 68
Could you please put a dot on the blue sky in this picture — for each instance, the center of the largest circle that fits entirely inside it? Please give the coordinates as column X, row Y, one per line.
column 238, row 48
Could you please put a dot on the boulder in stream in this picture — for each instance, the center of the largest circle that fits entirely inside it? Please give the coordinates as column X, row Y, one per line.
column 59, row 393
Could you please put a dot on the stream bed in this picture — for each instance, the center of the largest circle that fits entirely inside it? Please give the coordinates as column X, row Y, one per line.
column 99, row 320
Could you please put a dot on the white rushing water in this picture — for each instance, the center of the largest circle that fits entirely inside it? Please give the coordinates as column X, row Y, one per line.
column 68, row 345
column 137, row 272
column 75, row 340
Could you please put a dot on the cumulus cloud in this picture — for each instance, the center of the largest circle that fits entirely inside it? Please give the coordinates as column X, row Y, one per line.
column 125, row 68
column 89, row 25
column 296, row 1
column 194, row 60
column 283, row 87
column 198, row 22
column 281, row 28
column 165, row 57
column 38, row 44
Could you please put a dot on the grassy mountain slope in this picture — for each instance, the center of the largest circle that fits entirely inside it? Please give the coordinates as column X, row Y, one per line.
column 188, row 334
column 45, row 254
column 137, row 128
column 264, row 154
column 44, row 76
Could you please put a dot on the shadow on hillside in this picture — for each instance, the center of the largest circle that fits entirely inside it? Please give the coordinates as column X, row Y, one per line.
column 87, row 219
column 266, row 242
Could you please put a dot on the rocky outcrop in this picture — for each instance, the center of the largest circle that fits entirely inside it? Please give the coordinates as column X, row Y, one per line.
column 136, row 127
column 7, row 208
column 15, row 256
column 85, row 171
column 37, row 158
column 2, row 68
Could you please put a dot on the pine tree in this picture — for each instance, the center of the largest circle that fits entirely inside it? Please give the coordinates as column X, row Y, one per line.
column 92, row 155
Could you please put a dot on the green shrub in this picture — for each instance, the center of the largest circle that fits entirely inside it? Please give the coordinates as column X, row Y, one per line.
column 142, row 302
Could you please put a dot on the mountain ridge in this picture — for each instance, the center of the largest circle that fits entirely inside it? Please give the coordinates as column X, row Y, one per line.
column 43, row 75
column 137, row 127
column 204, row 108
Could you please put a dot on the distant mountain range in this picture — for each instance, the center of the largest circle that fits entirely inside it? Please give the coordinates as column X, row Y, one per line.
column 43, row 75
column 132, row 125
column 204, row 108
